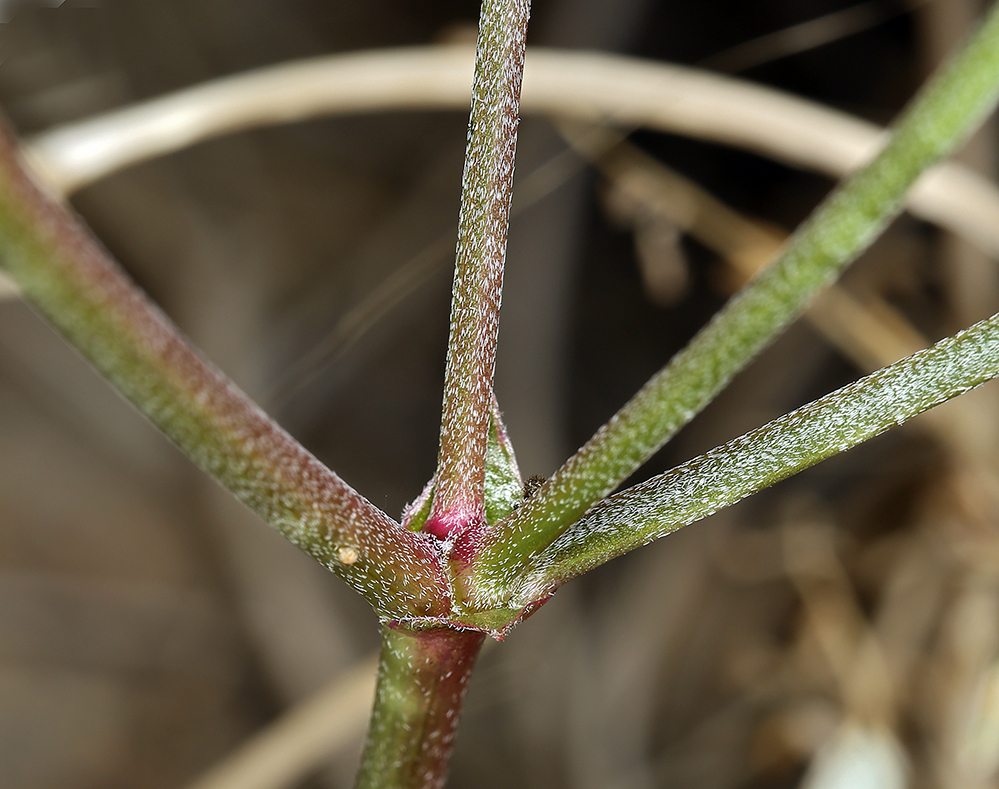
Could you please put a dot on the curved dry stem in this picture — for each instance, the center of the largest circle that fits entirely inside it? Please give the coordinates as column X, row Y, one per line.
column 585, row 86
column 79, row 288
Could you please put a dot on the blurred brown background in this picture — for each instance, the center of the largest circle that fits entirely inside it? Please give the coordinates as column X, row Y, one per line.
column 149, row 625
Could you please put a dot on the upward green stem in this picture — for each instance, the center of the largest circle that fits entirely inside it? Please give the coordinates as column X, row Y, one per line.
column 487, row 187
column 766, row 455
column 942, row 115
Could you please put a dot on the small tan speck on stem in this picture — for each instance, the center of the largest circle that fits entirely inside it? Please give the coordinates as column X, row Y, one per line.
column 347, row 556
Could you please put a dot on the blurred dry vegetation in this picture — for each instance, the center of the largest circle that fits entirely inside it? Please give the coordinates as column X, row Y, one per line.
column 149, row 625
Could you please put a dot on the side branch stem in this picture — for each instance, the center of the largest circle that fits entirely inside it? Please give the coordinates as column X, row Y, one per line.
column 762, row 457
column 66, row 274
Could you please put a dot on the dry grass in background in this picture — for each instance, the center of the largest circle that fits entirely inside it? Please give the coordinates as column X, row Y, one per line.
column 149, row 626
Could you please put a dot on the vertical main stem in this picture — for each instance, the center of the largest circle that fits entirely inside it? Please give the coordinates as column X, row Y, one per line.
column 422, row 676
column 487, row 186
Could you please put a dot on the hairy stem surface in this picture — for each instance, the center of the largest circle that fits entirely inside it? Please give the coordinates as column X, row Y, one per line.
column 65, row 273
column 422, row 676
column 487, row 186
column 758, row 459
column 943, row 114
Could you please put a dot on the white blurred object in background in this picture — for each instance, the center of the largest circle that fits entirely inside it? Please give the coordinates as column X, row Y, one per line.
column 858, row 757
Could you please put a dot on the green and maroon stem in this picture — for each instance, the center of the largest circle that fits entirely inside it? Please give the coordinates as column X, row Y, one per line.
column 487, row 188
column 422, row 674
column 422, row 678
column 67, row 276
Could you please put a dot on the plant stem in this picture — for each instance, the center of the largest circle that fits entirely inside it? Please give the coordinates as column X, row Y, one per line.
column 65, row 273
column 422, row 677
column 487, row 186
column 758, row 459
column 945, row 111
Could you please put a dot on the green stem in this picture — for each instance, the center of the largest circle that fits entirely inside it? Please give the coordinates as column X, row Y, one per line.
column 945, row 111
column 487, row 187
column 65, row 273
column 422, row 677
column 758, row 459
